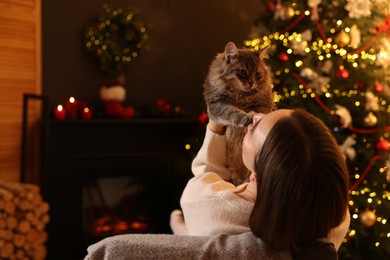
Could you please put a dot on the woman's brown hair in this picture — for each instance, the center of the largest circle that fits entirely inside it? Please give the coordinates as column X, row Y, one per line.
column 302, row 183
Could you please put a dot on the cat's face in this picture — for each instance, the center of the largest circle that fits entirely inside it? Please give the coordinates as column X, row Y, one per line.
column 245, row 69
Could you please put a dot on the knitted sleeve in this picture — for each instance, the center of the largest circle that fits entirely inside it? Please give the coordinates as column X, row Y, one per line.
column 211, row 156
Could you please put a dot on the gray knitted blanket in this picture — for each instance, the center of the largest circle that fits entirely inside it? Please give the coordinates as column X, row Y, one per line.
column 164, row 246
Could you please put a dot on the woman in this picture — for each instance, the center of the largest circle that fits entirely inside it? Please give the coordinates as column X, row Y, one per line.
column 298, row 190
column 297, row 198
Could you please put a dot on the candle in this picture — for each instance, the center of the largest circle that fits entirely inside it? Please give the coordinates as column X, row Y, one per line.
column 86, row 113
column 60, row 113
column 72, row 108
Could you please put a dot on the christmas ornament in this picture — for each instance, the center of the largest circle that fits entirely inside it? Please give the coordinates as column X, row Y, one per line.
column 306, row 35
column 371, row 102
column 383, row 57
column 347, row 148
column 308, row 73
column 382, row 145
column 370, row 119
column 342, row 73
column 289, row 12
column 327, row 66
column 345, row 116
column 378, row 87
column 280, row 11
column 388, row 169
column 270, row 6
column 359, row 85
column 342, row 39
column 358, row 8
column 314, row 8
column 317, row 82
column 355, row 36
column 164, row 106
column 298, row 47
column 386, row 89
column 283, row 56
column 203, row 118
column 367, row 218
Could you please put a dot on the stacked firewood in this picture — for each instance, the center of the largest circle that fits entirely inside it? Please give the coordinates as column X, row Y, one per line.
column 23, row 218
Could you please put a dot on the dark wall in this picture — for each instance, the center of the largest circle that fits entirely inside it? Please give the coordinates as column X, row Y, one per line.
column 184, row 38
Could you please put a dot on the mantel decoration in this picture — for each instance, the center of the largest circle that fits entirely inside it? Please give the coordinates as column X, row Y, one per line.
column 116, row 38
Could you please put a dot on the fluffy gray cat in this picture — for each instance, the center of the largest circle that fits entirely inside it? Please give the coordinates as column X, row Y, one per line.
column 237, row 86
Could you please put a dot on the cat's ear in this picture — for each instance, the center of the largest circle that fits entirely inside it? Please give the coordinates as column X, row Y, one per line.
column 263, row 54
column 230, row 49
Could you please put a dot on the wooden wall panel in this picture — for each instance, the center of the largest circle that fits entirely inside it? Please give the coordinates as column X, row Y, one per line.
column 20, row 72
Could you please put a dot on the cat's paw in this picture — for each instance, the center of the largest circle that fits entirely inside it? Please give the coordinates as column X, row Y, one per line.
column 246, row 120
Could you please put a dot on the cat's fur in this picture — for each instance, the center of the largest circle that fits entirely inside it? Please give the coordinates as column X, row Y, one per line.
column 238, row 85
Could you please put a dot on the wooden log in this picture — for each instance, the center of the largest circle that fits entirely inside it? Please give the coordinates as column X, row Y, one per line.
column 6, row 195
column 3, row 223
column 32, row 235
column 12, row 222
column 25, row 205
column 19, row 240
column 23, row 218
column 6, row 234
column 40, row 253
column 7, row 250
column 9, row 208
column 45, row 219
column 20, row 188
column 19, row 253
column 42, row 237
column 24, row 226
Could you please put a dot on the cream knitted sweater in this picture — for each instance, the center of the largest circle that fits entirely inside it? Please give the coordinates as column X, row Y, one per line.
column 210, row 204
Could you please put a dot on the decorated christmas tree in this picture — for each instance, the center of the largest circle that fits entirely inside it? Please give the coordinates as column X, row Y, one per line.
column 332, row 58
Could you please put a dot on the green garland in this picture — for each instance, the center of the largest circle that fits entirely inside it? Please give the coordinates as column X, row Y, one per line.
column 116, row 39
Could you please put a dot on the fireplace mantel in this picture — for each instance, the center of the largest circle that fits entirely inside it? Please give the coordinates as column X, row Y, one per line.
column 79, row 151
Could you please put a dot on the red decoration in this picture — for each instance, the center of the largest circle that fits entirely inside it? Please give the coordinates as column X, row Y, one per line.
column 72, row 108
column 60, row 113
column 86, row 113
column 383, row 145
column 283, row 57
column 164, row 106
column 203, row 118
column 359, row 85
column 270, row 6
column 378, row 87
column 114, row 108
column 342, row 73
column 385, row 26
